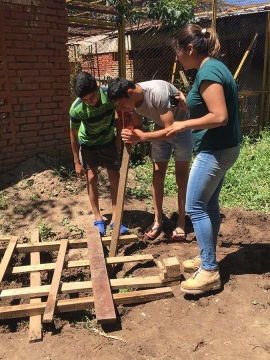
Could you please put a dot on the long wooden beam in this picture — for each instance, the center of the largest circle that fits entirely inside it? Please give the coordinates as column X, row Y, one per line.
column 7, row 256
column 104, row 306
column 77, row 263
column 35, row 328
column 54, row 245
column 83, row 286
column 54, row 287
column 18, row 311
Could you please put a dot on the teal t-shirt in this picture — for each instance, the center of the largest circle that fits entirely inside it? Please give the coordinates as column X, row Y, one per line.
column 95, row 124
column 221, row 137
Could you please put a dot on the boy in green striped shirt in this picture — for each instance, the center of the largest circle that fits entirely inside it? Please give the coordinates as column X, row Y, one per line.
column 94, row 143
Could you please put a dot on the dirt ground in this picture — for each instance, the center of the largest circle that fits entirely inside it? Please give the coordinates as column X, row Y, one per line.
column 233, row 323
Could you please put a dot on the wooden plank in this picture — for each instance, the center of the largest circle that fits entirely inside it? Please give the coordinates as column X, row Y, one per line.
column 35, row 328
column 7, row 256
column 75, row 287
column 120, row 198
column 51, row 301
column 104, row 307
column 78, row 243
column 17, row 311
column 77, row 263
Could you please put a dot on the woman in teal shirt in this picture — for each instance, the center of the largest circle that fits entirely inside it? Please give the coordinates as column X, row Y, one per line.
column 214, row 120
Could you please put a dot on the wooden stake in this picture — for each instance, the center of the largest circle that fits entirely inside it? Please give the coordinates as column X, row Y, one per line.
column 245, row 57
column 120, row 199
column 51, row 301
column 35, row 329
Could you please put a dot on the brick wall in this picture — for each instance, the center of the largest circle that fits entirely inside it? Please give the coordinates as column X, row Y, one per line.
column 34, row 80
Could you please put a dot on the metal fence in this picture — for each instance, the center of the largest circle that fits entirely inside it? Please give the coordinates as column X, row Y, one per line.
column 243, row 28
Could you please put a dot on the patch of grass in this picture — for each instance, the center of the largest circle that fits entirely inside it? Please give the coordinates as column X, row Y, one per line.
column 45, row 231
column 20, row 210
column 65, row 173
column 3, row 200
column 247, row 183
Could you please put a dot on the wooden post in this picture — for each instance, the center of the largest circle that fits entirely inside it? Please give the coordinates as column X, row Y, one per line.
column 122, row 48
column 120, row 199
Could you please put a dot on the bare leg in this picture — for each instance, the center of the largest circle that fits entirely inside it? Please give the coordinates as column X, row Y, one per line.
column 159, row 171
column 181, row 174
column 92, row 180
column 114, row 182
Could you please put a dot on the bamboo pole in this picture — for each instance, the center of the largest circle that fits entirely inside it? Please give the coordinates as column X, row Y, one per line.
column 121, row 48
column 92, row 22
column 245, row 57
column 214, row 14
column 174, row 70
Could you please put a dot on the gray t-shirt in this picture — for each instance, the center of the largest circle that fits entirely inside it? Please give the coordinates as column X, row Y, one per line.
column 156, row 101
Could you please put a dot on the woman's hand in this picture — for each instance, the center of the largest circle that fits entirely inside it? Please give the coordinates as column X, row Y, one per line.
column 181, row 100
column 176, row 127
column 131, row 136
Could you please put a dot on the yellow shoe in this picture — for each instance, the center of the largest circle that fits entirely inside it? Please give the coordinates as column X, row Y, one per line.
column 201, row 281
column 192, row 264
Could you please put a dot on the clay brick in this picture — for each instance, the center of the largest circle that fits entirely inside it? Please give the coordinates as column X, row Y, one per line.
column 47, row 105
column 22, row 87
column 30, row 146
column 18, row 66
column 26, row 59
column 23, row 44
column 26, row 134
column 39, row 24
column 28, row 127
column 46, row 111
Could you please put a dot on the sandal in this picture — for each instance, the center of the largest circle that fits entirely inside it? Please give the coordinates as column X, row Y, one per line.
column 101, row 226
column 178, row 235
column 123, row 230
column 151, row 229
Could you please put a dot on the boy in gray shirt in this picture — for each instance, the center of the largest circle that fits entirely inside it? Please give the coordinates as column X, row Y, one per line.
column 151, row 100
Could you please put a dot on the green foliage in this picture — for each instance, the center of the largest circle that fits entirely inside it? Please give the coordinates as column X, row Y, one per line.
column 45, row 231
column 247, row 183
column 65, row 173
column 170, row 13
column 3, row 200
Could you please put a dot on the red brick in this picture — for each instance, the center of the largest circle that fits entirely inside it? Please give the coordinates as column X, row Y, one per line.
column 10, row 36
column 22, row 16
column 23, row 44
column 26, row 58
column 25, row 135
column 39, row 24
column 47, row 144
column 28, row 100
column 23, row 87
column 50, row 118
column 31, row 146
column 24, row 114
column 47, row 105
column 43, row 66
column 46, row 112
column 20, row 148
column 44, row 92
column 16, row 51
column 45, row 79
column 27, row 72
column 18, row 66
column 28, row 127
column 18, row 23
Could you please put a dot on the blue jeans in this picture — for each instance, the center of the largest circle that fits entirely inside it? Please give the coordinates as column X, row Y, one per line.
column 202, row 201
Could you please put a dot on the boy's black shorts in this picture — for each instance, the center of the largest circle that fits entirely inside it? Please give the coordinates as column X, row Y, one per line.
column 107, row 157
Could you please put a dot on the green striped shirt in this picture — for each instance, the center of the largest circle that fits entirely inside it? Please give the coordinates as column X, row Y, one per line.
column 95, row 124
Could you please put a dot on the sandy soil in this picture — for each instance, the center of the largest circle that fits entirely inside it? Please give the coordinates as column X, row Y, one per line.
column 232, row 323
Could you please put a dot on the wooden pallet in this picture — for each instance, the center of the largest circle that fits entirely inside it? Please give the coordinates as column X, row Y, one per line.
column 100, row 285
